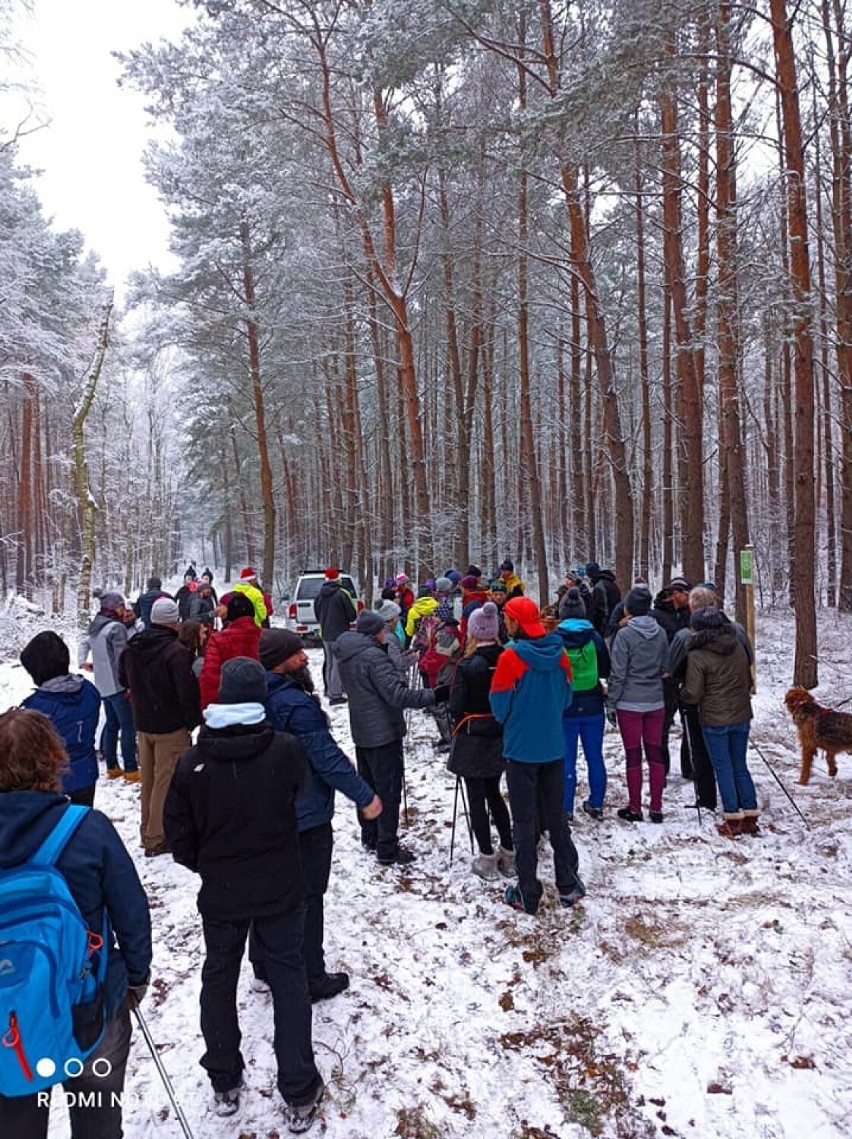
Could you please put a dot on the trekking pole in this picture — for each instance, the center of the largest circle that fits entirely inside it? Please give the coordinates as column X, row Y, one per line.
column 404, row 797
column 460, row 790
column 780, row 784
column 164, row 1075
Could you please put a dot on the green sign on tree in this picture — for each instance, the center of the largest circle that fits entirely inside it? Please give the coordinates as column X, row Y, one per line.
column 746, row 567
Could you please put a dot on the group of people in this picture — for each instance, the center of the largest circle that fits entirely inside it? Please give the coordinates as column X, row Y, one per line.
column 249, row 806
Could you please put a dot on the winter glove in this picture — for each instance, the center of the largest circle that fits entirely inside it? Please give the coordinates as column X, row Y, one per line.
column 612, row 718
column 442, row 693
column 135, row 992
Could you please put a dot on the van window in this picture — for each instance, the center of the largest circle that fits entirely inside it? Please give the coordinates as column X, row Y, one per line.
column 309, row 588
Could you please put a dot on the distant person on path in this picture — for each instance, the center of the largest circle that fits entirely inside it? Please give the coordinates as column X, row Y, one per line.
column 102, row 880
column 158, row 670
column 291, row 706
column 635, row 700
column 185, row 594
column 377, row 696
column 106, row 640
column 73, row 706
column 230, row 817
column 142, row 604
column 529, row 694
column 335, row 611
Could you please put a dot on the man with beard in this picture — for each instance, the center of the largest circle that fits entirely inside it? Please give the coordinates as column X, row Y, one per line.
column 292, row 707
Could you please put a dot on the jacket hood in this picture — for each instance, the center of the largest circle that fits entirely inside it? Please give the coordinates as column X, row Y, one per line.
column 99, row 622
column 63, row 686
column 234, row 744
column 542, row 654
column 350, row 645
column 605, row 575
column 330, row 587
column 575, row 632
column 720, row 641
column 646, row 627
column 149, row 644
column 20, row 814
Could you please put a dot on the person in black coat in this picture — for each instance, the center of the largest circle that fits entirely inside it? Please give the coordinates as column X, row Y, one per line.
column 230, row 816
column 671, row 612
column 142, row 604
column 477, row 749
column 335, row 611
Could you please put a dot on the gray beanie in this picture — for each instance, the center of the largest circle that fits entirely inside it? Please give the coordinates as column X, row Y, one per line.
column 638, row 601
column 483, row 623
column 111, row 601
column 369, row 622
column 243, row 681
column 572, row 605
column 164, row 611
column 443, row 585
column 387, row 610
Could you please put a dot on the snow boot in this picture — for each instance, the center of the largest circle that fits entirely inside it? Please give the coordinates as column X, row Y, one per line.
column 485, row 865
column 228, row 1103
column 731, row 826
column 506, row 862
column 300, row 1119
column 749, row 824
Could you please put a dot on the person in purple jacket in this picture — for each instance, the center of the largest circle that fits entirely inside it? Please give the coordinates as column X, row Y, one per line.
column 72, row 704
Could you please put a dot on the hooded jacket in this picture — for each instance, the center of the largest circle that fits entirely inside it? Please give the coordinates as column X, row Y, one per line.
column 163, row 687
column 240, row 638
column 529, row 694
column 100, row 874
column 477, row 748
column 605, row 596
column 377, row 693
column 334, row 610
column 230, row 816
column 73, row 705
column 639, row 655
column 291, row 709
column 577, row 634
column 422, row 607
column 106, row 639
column 718, row 678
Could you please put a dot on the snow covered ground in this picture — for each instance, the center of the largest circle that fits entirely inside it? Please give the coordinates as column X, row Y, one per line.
column 702, row 989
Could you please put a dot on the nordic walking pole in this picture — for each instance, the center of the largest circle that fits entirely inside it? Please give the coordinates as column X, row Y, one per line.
column 164, row 1075
column 780, row 784
column 455, row 811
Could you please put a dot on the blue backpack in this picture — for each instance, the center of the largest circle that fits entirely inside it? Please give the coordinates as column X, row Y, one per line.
column 51, row 971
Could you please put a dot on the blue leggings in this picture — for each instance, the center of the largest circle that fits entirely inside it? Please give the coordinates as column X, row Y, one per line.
column 590, row 731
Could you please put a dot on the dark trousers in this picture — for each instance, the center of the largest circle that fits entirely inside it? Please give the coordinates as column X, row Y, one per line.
column 119, row 722
column 382, row 768
column 534, row 786
column 279, row 939
column 315, row 846
column 25, row 1118
column 83, row 796
column 702, row 768
column 483, row 795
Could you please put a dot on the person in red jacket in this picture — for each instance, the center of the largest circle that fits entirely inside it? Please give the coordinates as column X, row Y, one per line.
column 239, row 638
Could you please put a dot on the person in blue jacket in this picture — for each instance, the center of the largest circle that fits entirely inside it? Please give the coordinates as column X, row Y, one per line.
column 585, row 718
column 292, row 707
column 72, row 704
column 102, row 878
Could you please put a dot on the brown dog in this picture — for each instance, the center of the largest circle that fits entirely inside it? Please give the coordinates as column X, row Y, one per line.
column 818, row 727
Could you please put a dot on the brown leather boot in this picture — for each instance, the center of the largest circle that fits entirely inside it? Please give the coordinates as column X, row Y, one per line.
column 730, row 827
column 749, row 825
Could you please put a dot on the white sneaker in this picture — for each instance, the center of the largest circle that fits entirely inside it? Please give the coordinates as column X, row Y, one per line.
column 485, row 865
column 258, row 985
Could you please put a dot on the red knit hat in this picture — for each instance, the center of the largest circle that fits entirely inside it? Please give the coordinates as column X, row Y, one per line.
column 332, row 574
column 525, row 611
column 248, row 573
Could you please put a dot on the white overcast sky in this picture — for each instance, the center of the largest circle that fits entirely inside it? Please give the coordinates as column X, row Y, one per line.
column 91, row 150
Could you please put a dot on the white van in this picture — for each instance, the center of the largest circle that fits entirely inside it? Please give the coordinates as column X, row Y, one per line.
column 301, row 617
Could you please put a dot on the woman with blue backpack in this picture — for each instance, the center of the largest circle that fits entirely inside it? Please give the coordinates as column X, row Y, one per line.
column 584, row 721
column 76, row 943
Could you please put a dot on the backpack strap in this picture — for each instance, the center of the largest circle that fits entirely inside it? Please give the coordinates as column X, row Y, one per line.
column 52, row 847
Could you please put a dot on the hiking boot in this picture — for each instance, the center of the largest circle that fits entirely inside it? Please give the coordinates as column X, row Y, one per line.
column 513, row 897
column 300, row 1119
column 629, row 815
column 506, row 862
column 333, row 700
column 228, row 1103
column 402, row 858
column 133, row 777
column 592, row 812
column 114, row 773
column 485, row 865
column 655, row 816
column 574, row 895
column 730, row 828
column 328, row 986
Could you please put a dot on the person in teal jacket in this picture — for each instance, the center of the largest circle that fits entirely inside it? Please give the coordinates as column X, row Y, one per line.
column 529, row 694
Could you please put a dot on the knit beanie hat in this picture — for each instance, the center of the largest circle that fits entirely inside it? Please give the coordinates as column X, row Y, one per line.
column 387, row 610
column 239, row 606
column 638, row 601
column 709, row 618
column 164, row 611
column 277, row 645
column 243, row 682
column 572, row 605
column 111, row 601
column 443, row 585
column 469, row 582
column 401, row 579
column 369, row 622
column 483, row 623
